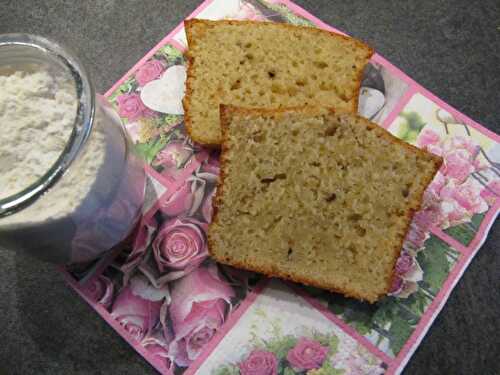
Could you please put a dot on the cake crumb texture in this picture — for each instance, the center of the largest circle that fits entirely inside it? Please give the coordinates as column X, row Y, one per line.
column 317, row 197
column 266, row 65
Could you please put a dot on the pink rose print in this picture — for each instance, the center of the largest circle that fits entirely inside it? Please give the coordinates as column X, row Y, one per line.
column 180, row 246
column 143, row 238
column 207, row 207
column 426, row 218
column 404, row 263
column 247, row 12
column 307, row 355
column 430, row 214
column 459, row 153
column 431, row 194
column 189, row 196
column 466, row 195
column 491, row 192
column 460, row 158
column 397, row 286
column 199, row 303
column 402, row 288
column 466, row 143
column 100, row 290
column 461, row 201
column 427, row 138
column 131, row 107
column 453, row 197
column 181, row 202
column 453, row 214
column 149, row 71
column 212, row 165
column 157, row 343
column 259, row 362
column 458, row 164
column 137, row 307
column 430, row 140
column 416, row 236
column 174, row 156
column 440, row 207
column 407, row 274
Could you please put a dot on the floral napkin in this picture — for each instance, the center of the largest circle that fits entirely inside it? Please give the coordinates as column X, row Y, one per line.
column 188, row 315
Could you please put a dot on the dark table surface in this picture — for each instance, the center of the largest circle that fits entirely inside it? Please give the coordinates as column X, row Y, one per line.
column 450, row 47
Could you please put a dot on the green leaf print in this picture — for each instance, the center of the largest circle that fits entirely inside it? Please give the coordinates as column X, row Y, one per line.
column 465, row 233
column 434, row 263
column 276, row 330
column 462, row 233
column 282, row 11
column 387, row 308
column 281, row 345
column 114, row 94
column 260, row 313
column 124, row 88
column 363, row 327
column 171, row 53
column 411, row 127
column 149, row 150
column 288, row 371
column 168, row 119
column 417, row 302
column 477, row 219
column 321, row 338
column 334, row 344
column 227, row 370
column 328, row 369
column 357, row 314
column 400, row 332
column 330, row 340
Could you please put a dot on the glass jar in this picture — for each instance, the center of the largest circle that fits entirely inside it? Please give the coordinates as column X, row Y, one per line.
column 90, row 199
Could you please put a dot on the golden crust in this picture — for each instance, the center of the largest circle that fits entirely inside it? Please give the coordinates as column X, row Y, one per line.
column 226, row 114
column 188, row 24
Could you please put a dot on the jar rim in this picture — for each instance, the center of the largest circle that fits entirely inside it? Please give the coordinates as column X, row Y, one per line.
column 82, row 125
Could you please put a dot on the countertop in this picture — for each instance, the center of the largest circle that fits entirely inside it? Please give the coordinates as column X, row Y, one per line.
column 450, row 47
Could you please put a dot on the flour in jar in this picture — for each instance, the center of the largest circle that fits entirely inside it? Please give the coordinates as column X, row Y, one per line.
column 37, row 112
column 96, row 202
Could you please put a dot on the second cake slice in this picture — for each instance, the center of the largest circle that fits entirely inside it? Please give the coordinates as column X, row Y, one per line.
column 266, row 65
column 315, row 196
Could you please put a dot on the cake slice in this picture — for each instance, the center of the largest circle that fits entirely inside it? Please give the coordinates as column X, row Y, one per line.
column 265, row 64
column 315, row 196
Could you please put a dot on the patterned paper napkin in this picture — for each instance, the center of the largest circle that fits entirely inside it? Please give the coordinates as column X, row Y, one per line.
column 187, row 315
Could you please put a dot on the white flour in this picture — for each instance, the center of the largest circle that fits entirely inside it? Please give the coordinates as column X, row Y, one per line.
column 70, row 191
column 37, row 112
column 97, row 201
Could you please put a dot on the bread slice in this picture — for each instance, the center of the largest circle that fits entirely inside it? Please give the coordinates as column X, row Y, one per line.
column 315, row 196
column 266, row 65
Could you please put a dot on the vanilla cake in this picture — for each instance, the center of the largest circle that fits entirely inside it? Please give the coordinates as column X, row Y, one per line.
column 266, row 65
column 315, row 196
